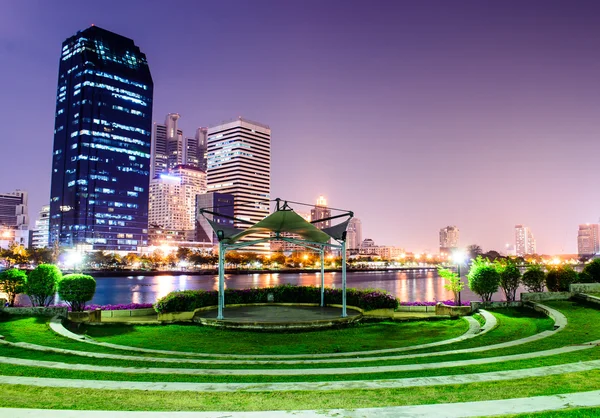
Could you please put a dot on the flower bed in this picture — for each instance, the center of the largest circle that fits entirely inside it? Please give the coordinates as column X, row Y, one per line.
column 445, row 302
column 93, row 307
column 189, row 300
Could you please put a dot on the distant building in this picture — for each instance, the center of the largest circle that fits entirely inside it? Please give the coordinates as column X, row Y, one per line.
column 14, row 219
column 221, row 203
column 14, row 210
column 588, row 240
column 320, row 211
column 40, row 236
column 368, row 247
column 239, row 163
column 524, row 241
column 170, row 148
column 172, row 205
column 194, row 149
column 102, row 143
column 449, row 239
column 354, row 234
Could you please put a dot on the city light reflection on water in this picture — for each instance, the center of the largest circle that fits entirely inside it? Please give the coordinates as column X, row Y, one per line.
column 408, row 286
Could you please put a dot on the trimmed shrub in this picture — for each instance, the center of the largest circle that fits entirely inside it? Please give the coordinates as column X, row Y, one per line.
column 534, row 279
column 12, row 282
column 510, row 279
column 483, row 279
column 76, row 290
column 591, row 272
column 559, row 278
column 189, row 300
column 41, row 283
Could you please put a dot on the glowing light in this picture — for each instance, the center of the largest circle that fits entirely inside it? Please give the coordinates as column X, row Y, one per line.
column 458, row 257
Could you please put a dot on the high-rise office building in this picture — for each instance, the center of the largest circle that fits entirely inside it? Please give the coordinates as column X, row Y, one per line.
column 321, row 211
column 101, row 158
column 173, row 199
column 170, row 148
column 40, row 236
column 588, row 239
column 524, row 241
column 13, row 210
column 354, row 234
column 167, row 146
column 239, row 163
column 449, row 238
column 194, row 149
column 14, row 219
column 221, row 203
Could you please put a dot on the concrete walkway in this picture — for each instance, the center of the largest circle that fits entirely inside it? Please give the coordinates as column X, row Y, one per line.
column 473, row 331
column 448, row 410
column 459, row 379
column 297, row 372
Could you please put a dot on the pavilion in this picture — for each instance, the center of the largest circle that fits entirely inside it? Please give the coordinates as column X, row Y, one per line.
column 284, row 220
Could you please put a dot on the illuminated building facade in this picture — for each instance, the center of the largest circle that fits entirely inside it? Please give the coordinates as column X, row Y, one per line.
column 173, row 199
column 40, row 236
column 354, row 234
column 588, row 242
column 321, row 211
column 239, row 163
column 101, row 156
column 170, row 148
column 524, row 241
column 449, row 237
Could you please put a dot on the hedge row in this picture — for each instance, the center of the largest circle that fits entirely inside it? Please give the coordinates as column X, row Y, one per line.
column 189, row 300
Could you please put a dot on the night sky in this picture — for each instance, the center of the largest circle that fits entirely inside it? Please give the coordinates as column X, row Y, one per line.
column 413, row 114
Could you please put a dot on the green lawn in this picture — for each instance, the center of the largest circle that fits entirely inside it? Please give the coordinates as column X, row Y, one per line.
column 59, row 398
column 359, row 337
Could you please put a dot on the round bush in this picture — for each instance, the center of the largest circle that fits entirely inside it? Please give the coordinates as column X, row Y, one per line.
column 534, row 279
column 40, row 285
column 591, row 272
column 12, row 283
column 510, row 280
column 484, row 280
column 76, row 290
column 558, row 279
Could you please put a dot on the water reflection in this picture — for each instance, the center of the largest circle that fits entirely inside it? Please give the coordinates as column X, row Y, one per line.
column 408, row 286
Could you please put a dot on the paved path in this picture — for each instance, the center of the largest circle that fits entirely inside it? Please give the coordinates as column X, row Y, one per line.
column 459, row 379
column 448, row 410
column 297, row 372
column 473, row 331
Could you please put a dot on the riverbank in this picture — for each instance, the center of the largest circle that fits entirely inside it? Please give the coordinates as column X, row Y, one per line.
column 151, row 273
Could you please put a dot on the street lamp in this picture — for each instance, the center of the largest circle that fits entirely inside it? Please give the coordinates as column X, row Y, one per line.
column 458, row 257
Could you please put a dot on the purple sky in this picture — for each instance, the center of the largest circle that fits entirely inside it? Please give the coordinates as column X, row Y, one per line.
column 415, row 115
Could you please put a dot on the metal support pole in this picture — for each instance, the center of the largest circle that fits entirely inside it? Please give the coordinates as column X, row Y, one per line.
column 322, row 276
column 458, row 268
column 344, row 314
column 221, row 280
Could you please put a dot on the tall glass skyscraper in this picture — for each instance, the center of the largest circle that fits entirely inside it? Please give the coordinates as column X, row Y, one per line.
column 101, row 158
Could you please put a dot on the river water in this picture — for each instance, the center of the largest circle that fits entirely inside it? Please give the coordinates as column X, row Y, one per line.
column 407, row 286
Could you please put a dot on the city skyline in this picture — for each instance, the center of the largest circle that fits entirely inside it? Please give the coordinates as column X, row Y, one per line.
column 482, row 117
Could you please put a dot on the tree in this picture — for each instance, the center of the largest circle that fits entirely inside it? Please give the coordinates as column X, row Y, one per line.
column 40, row 255
column 492, row 255
column 453, row 283
column 474, row 251
column 183, row 253
column 559, row 278
column 483, row 279
column 592, row 271
column 510, row 278
column 76, row 290
column 40, row 285
column 12, row 283
column 15, row 254
column 534, row 279
column 131, row 259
